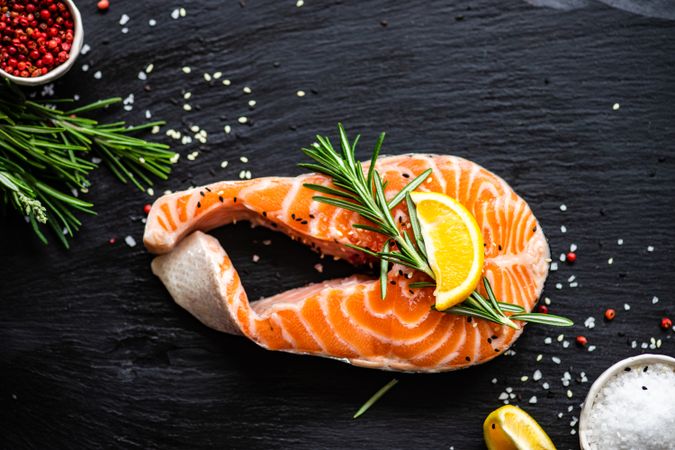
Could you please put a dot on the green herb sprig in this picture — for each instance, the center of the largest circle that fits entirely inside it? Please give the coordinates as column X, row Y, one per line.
column 42, row 158
column 365, row 195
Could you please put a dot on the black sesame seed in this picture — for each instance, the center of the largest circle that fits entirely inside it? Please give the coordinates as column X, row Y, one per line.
column 499, row 247
column 489, row 340
column 493, row 426
column 235, row 199
column 645, row 369
column 207, row 189
column 293, row 216
column 201, row 193
column 411, row 291
column 304, row 222
column 497, row 350
column 469, row 319
column 468, row 358
column 392, row 282
column 220, row 198
column 199, row 204
column 264, row 213
column 405, row 175
column 627, row 369
column 644, row 388
column 311, row 216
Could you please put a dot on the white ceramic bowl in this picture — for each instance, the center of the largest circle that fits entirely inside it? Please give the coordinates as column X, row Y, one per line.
column 60, row 70
column 604, row 378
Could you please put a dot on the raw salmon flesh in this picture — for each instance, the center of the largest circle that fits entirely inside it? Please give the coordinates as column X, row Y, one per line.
column 347, row 319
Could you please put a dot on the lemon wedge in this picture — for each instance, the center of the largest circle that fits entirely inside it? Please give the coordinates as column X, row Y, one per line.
column 511, row 428
column 454, row 244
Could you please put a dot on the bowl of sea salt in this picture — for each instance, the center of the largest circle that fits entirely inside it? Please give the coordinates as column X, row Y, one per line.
column 631, row 406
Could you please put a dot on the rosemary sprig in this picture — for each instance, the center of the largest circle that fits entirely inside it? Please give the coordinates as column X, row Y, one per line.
column 42, row 158
column 365, row 195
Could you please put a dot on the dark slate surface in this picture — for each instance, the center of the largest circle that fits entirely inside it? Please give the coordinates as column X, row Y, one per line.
column 95, row 354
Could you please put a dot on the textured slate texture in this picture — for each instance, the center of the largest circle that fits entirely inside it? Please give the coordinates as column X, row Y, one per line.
column 93, row 351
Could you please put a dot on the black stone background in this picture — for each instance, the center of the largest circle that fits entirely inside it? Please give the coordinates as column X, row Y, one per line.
column 95, row 354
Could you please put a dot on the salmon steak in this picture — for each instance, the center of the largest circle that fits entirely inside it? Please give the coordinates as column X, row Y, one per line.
column 347, row 319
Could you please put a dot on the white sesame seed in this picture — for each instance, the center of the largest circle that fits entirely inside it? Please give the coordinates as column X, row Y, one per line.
column 574, row 284
column 547, row 301
column 555, row 359
column 560, row 337
column 152, row 22
column 187, row 107
column 545, row 385
column 227, row 129
column 85, row 67
column 243, row 159
column 217, row 75
column 626, row 306
column 124, row 19
column 226, row 82
column 650, row 248
column 533, row 399
column 186, row 69
column 300, row 93
column 536, row 376
column 207, row 77
column 573, row 247
column 591, row 348
column 569, row 393
column 571, row 278
column 563, row 229
column 563, row 207
column 558, row 286
column 554, row 266
column 124, row 30
column 183, row 12
column 539, row 357
column 243, row 119
column 247, row 90
column 130, row 241
column 251, row 103
column 616, row 106
column 563, row 257
column 503, row 396
column 223, row 164
column 494, row 381
column 610, row 261
column 255, row 258
column 142, row 76
column 619, row 241
column 150, row 191
column 175, row 14
column 85, row 49
column 655, row 300
column 242, row 174
column 547, row 340
column 98, row 75
column 524, row 378
column 299, row 3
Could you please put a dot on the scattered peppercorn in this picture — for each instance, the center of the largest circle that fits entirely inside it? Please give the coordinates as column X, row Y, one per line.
column 147, row 208
column 581, row 340
column 103, row 5
column 571, row 257
column 543, row 309
column 35, row 36
column 610, row 314
column 666, row 323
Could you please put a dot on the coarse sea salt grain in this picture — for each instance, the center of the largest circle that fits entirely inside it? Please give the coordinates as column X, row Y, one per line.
column 635, row 409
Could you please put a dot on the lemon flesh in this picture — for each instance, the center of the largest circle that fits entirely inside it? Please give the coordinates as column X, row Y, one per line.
column 511, row 428
column 454, row 244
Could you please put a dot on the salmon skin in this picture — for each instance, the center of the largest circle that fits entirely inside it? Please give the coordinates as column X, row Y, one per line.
column 347, row 319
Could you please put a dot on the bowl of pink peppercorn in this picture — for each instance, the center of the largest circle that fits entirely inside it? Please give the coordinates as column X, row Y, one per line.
column 39, row 39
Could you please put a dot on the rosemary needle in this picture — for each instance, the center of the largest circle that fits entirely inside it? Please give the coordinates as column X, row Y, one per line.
column 376, row 396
